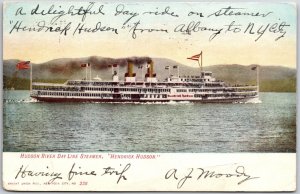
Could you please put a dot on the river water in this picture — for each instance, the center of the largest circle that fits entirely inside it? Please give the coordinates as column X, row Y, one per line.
column 31, row 126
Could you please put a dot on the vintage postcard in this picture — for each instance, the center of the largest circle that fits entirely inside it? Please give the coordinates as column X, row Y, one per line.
column 149, row 96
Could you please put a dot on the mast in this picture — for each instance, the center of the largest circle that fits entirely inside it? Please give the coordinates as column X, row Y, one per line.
column 201, row 61
column 257, row 79
column 31, row 78
column 142, row 67
column 118, row 69
column 90, row 71
column 86, row 73
column 256, row 67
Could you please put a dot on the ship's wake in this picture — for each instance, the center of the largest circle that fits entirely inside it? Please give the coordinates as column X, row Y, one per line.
column 253, row 101
column 32, row 100
column 178, row 102
column 29, row 100
column 250, row 101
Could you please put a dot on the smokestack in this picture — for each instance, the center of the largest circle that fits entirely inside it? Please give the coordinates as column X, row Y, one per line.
column 150, row 69
column 129, row 72
column 130, row 69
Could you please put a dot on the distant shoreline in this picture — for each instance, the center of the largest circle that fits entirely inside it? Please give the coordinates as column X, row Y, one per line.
column 272, row 78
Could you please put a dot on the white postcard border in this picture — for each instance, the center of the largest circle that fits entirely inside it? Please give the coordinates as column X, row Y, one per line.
column 149, row 171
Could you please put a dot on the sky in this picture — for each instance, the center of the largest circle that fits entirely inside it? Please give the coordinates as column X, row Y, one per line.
column 227, row 47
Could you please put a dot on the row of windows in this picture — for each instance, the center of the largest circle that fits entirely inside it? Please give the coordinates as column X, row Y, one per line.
column 213, row 84
column 97, row 89
column 56, row 88
column 128, row 96
column 156, row 90
column 73, row 94
column 86, row 83
column 240, row 89
column 131, row 95
column 223, row 95
column 210, row 95
column 100, row 95
column 153, row 90
column 154, row 96
column 190, row 82
column 181, row 90
column 206, row 90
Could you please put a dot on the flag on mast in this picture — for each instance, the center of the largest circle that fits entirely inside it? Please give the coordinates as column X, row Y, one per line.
column 195, row 57
column 23, row 65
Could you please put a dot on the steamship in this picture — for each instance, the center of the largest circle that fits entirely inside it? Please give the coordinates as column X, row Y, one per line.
column 203, row 88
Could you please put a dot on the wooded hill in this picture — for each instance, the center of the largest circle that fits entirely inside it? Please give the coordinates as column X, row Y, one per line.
column 272, row 78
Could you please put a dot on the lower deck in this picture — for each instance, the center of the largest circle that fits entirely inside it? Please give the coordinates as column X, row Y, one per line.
column 205, row 98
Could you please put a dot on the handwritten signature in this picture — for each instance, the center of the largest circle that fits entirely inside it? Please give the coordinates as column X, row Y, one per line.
column 201, row 173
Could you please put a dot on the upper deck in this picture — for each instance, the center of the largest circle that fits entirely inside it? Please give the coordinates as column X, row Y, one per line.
column 204, row 81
